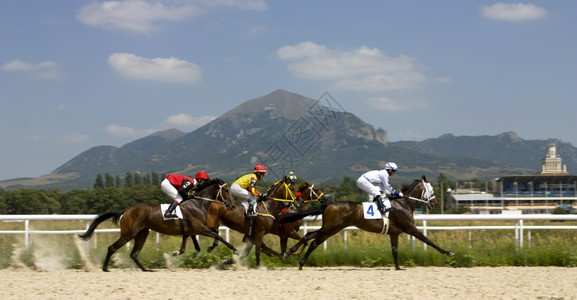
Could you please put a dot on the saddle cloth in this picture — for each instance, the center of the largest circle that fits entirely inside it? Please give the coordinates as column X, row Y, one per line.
column 164, row 207
column 371, row 212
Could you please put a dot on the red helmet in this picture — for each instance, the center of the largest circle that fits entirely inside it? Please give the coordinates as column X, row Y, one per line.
column 259, row 168
column 201, row 175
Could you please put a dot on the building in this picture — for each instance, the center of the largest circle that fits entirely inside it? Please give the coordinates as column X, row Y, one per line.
column 543, row 192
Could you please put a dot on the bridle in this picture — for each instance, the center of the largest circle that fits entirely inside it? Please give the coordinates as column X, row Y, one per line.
column 317, row 197
column 427, row 195
column 219, row 194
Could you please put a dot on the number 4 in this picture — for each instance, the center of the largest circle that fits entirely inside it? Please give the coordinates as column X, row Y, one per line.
column 370, row 210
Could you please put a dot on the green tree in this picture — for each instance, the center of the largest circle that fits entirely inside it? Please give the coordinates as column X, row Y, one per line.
column 137, row 178
column 348, row 191
column 155, row 179
column 108, row 181
column 128, row 180
column 29, row 201
column 99, row 183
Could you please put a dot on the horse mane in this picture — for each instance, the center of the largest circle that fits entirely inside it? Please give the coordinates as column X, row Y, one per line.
column 303, row 186
column 208, row 183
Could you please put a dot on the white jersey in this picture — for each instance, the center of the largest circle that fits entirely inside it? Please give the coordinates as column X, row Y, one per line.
column 380, row 178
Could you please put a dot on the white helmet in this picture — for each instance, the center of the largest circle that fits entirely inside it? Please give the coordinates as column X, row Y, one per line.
column 391, row 166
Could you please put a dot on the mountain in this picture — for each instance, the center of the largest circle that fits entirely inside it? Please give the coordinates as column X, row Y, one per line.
column 317, row 139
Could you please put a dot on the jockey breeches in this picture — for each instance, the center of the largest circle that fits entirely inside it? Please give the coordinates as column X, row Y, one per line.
column 170, row 190
column 368, row 187
column 238, row 191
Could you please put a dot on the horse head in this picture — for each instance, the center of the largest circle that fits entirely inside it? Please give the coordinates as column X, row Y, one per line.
column 422, row 191
column 308, row 192
column 216, row 189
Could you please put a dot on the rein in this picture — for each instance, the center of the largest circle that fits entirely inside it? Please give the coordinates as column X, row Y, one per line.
column 288, row 193
column 219, row 194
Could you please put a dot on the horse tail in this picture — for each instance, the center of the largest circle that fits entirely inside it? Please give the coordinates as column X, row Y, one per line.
column 99, row 219
column 299, row 215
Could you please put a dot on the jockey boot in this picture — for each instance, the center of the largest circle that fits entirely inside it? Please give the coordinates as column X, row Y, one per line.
column 170, row 211
column 250, row 211
column 381, row 205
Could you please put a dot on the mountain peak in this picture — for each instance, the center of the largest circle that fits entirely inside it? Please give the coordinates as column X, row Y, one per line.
column 169, row 134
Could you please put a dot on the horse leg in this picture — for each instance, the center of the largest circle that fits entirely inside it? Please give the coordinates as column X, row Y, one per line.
column 395, row 250
column 122, row 240
column 294, row 235
column 309, row 236
column 211, row 233
column 182, row 247
column 139, row 241
column 310, row 250
column 321, row 235
column 196, row 246
column 258, row 236
column 419, row 235
column 215, row 242
column 269, row 251
column 245, row 253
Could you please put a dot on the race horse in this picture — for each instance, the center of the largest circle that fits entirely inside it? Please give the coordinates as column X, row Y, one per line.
column 341, row 214
column 266, row 220
column 136, row 221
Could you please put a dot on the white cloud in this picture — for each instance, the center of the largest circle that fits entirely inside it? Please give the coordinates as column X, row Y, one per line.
column 141, row 16
column 117, row 130
column 42, row 70
column 188, row 121
column 362, row 69
column 514, row 12
column 388, row 104
column 134, row 15
column 171, row 70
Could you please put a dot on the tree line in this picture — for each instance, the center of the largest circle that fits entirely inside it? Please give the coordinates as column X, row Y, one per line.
column 111, row 193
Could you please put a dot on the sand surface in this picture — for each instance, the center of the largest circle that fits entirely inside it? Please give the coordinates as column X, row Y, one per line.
column 290, row 283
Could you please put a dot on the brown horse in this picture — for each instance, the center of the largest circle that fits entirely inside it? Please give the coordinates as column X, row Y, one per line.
column 339, row 215
column 305, row 194
column 136, row 221
column 267, row 214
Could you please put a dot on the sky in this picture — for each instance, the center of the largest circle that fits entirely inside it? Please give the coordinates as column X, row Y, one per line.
column 78, row 74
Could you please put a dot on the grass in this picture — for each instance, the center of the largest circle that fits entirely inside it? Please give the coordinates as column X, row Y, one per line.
column 481, row 248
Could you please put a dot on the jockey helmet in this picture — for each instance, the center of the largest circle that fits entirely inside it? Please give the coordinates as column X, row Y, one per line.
column 258, row 168
column 391, row 166
column 292, row 178
column 201, row 175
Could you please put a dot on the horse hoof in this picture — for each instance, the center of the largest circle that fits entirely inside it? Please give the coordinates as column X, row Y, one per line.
column 195, row 254
column 451, row 253
column 175, row 253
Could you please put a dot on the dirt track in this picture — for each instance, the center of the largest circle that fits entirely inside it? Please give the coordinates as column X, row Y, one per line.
column 290, row 283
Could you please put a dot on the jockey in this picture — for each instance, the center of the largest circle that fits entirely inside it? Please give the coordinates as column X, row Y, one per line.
column 245, row 187
column 178, row 186
column 376, row 182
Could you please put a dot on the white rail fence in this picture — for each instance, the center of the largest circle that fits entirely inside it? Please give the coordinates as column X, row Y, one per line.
column 517, row 225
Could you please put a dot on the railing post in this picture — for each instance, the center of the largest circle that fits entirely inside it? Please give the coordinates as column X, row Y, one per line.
column 517, row 235
column 521, row 234
column 27, row 233
column 425, row 233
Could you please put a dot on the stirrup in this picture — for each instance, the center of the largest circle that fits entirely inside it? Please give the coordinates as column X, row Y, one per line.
column 250, row 214
column 170, row 215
